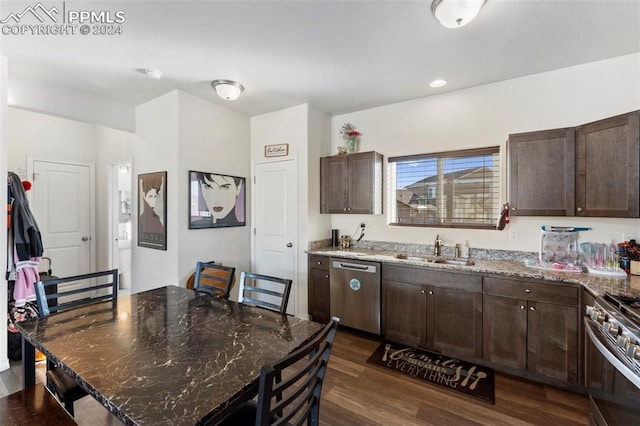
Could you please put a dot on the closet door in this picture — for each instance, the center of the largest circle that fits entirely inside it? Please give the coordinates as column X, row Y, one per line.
column 61, row 202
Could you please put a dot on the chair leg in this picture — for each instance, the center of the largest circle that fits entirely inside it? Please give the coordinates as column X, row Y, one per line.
column 68, row 405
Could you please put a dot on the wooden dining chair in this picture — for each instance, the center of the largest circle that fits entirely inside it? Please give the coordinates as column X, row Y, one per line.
column 264, row 291
column 214, row 279
column 296, row 399
column 75, row 291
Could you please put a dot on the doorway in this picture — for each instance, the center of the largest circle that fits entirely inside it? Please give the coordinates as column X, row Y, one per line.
column 121, row 209
column 62, row 200
column 275, row 221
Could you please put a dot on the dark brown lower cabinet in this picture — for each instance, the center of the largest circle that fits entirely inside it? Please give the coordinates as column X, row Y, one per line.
column 454, row 322
column 319, row 296
column 532, row 336
column 434, row 310
column 405, row 312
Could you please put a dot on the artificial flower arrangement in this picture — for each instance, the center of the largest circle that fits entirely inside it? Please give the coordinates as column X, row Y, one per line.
column 351, row 136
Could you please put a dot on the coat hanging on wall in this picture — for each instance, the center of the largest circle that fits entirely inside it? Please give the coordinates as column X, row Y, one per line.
column 25, row 242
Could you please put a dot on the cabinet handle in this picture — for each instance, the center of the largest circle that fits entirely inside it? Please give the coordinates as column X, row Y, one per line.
column 319, row 263
column 422, row 291
column 514, row 209
column 430, row 291
column 532, row 308
column 579, row 209
column 522, row 307
column 326, row 276
column 527, row 290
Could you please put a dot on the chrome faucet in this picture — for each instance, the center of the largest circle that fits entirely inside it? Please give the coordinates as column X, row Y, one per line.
column 437, row 247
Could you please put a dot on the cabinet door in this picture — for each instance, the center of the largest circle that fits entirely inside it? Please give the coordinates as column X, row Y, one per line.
column 553, row 341
column 334, row 176
column 454, row 322
column 542, row 173
column 404, row 317
column 608, row 155
column 319, row 296
column 505, row 331
column 362, row 183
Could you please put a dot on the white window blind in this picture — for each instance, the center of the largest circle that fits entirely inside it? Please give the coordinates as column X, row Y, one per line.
column 448, row 189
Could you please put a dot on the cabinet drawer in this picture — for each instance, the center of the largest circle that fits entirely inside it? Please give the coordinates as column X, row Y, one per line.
column 456, row 280
column 529, row 290
column 319, row 262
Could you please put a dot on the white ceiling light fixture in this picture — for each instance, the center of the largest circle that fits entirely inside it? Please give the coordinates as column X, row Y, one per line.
column 456, row 13
column 227, row 89
column 438, row 82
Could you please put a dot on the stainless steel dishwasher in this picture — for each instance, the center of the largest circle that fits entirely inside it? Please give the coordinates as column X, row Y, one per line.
column 355, row 294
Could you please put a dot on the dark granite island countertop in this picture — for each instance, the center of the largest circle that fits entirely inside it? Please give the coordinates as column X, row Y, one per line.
column 595, row 284
column 167, row 356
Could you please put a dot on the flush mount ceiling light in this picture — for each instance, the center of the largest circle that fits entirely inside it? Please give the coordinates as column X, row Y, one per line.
column 455, row 13
column 227, row 89
column 438, row 83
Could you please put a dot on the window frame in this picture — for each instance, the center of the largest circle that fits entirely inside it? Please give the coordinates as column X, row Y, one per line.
column 443, row 155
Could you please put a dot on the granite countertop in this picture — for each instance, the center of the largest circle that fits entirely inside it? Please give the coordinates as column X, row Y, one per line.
column 595, row 284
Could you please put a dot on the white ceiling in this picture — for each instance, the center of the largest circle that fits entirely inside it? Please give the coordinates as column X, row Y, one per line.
column 339, row 56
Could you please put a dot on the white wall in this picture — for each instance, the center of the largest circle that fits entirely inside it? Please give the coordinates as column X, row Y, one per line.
column 485, row 116
column 305, row 129
column 69, row 103
column 211, row 139
column 155, row 151
column 4, row 360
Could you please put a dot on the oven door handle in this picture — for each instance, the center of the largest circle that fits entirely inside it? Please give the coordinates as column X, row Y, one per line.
column 609, row 356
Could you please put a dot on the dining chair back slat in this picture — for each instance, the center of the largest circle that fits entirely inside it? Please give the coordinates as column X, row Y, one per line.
column 89, row 290
column 296, row 399
column 214, row 279
column 264, row 291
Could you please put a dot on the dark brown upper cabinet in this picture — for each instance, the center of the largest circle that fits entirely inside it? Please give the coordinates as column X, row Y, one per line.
column 589, row 170
column 607, row 159
column 542, row 173
column 351, row 184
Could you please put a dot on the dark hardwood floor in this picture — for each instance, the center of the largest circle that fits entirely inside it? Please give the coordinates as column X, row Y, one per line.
column 359, row 393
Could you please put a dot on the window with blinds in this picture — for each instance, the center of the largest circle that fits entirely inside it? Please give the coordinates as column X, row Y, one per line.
column 447, row 189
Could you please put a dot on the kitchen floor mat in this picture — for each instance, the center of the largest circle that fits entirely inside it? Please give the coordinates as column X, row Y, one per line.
column 450, row 373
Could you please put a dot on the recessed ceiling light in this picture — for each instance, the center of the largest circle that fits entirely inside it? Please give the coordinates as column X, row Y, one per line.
column 438, row 82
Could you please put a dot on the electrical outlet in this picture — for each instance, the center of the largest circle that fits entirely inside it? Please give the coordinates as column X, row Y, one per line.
column 513, row 235
column 362, row 225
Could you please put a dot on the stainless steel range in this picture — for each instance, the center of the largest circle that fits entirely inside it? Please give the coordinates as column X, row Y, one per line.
column 612, row 326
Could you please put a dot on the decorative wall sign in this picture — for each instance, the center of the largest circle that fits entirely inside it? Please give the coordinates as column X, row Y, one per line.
column 279, row 150
column 215, row 200
column 152, row 210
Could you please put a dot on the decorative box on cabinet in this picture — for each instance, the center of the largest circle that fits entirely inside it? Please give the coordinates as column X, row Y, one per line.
column 351, row 184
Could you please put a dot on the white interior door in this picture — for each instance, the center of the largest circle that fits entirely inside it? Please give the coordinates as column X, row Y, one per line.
column 275, row 222
column 62, row 203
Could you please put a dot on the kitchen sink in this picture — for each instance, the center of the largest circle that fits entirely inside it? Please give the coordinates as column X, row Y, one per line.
column 468, row 262
column 440, row 260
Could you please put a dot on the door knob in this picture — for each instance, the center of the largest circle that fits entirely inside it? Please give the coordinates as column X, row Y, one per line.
column 289, row 244
column 579, row 209
column 85, row 238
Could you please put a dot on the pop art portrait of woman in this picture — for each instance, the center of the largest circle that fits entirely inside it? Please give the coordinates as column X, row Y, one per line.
column 216, row 200
column 152, row 210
